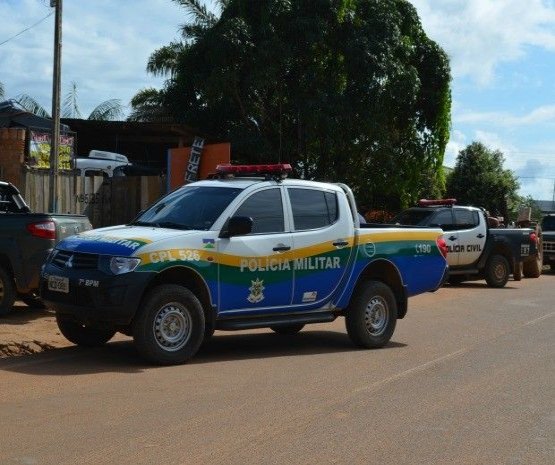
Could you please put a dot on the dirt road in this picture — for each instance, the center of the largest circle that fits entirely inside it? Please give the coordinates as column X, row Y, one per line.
column 466, row 379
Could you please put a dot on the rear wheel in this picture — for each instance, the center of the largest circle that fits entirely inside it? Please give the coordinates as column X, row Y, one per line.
column 533, row 268
column 83, row 335
column 170, row 325
column 7, row 292
column 287, row 329
column 372, row 315
column 497, row 271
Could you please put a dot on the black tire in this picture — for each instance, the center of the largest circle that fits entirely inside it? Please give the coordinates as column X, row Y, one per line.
column 169, row 327
column 372, row 315
column 82, row 335
column 497, row 271
column 32, row 301
column 552, row 267
column 7, row 292
column 287, row 330
column 533, row 268
column 517, row 272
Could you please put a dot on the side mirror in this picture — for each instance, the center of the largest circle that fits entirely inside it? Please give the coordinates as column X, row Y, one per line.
column 237, row 226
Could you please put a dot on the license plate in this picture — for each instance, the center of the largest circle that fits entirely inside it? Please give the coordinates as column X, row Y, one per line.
column 58, row 284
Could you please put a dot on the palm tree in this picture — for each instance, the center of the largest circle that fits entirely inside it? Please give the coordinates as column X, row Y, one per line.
column 108, row 110
column 147, row 104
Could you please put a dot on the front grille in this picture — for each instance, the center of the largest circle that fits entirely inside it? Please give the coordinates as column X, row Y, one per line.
column 76, row 260
column 548, row 246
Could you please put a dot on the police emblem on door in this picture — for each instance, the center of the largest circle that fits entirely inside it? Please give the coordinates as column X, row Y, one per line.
column 257, row 291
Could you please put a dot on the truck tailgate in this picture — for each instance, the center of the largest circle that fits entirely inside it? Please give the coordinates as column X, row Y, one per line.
column 69, row 225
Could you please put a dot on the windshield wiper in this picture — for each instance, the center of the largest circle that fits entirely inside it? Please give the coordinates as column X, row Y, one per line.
column 172, row 225
column 143, row 223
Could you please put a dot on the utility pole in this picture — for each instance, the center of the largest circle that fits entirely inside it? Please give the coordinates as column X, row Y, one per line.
column 55, row 140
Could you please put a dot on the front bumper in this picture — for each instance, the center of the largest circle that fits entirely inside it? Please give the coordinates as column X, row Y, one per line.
column 94, row 296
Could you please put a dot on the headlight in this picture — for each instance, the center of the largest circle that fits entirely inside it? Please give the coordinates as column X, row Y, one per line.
column 121, row 265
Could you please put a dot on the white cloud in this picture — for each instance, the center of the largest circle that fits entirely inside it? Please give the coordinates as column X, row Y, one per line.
column 544, row 115
column 105, row 47
column 457, row 142
column 478, row 35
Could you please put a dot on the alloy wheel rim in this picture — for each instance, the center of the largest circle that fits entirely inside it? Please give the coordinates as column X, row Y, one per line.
column 499, row 271
column 172, row 327
column 376, row 316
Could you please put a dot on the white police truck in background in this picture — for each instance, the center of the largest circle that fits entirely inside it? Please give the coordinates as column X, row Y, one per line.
column 476, row 251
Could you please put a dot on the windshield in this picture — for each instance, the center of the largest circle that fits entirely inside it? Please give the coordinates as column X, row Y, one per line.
column 548, row 223
column 413, row 217
column 190, row 207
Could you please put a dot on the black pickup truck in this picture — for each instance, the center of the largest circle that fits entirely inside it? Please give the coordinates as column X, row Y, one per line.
column 476, row 250
column 26, row 239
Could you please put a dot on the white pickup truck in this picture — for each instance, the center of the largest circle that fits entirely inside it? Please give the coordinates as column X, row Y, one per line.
column 476, row 251
column 248, row 249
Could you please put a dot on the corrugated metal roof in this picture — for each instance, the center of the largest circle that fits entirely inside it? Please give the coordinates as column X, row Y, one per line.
column 14, row 116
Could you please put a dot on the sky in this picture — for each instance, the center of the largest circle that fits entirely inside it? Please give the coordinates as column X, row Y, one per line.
column 502, row 55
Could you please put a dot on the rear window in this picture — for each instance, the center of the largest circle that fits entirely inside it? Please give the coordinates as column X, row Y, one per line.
column 312, row 209
column 413, row 217
column 466, row 219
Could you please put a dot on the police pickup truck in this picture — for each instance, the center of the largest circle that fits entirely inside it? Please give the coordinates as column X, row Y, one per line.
column 475, row 250
column 246, row 249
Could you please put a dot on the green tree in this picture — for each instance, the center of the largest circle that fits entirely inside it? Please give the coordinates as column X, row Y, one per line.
column 345, row 90
column 479, row 179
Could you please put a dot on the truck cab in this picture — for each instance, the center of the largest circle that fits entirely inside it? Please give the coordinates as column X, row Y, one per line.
column 101, row 163
column 476, row 251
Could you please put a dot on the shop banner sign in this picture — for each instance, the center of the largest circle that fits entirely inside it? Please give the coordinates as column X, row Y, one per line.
column 39, row 150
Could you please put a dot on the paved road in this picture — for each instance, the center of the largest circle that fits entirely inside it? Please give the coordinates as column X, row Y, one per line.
column 469, row 378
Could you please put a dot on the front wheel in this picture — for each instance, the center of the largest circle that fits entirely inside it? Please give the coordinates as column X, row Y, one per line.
column 170, row 325
column 372, row 315
column 83, row 335
column 497, row 271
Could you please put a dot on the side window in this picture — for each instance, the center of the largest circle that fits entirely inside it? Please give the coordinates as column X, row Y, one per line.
column 444, row 219
column 466, row 219
column 313, row 208
column 266, row 210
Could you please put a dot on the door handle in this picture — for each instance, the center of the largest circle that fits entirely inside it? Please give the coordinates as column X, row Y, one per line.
column 281, row 248
column 340, row 243
column 479, row 236
column 452, row 238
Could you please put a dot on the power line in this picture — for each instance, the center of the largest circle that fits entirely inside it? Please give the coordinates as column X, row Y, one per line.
column 25, row 30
